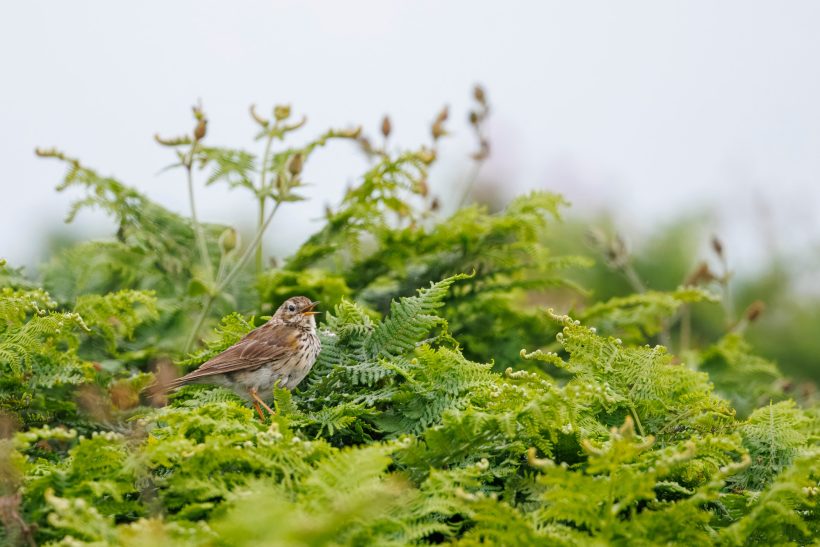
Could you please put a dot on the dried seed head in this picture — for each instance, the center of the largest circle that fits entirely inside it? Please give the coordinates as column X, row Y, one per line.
column 480, row 96
column 474, row 117
column 296, row 163
column 754, row 311
column 717, row 246
column 281, row 112
column 435, row 205
column 702, row 274
column 386, row 126
column 437, row 130
column 201, row 129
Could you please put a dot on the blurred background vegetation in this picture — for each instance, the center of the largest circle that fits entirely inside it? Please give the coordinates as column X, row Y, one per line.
column 785, row 331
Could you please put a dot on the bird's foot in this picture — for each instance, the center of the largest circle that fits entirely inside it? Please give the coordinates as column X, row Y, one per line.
column 257, row 400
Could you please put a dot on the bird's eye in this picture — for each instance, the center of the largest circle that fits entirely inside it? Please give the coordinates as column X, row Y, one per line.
column 291, row 307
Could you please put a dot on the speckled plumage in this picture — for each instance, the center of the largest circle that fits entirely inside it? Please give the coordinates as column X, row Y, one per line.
column 282, row 349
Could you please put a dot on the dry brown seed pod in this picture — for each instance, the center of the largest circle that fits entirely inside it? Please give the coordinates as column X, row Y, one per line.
column 296, row 163
column 701, row 275
column 717, row 245
column 478, row 93
column 754, row 310
column 201, row 129
column 387, row 127
column 437, row 130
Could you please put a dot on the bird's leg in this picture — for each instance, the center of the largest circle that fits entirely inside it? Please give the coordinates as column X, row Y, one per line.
column 258, row 410
column 258, row 401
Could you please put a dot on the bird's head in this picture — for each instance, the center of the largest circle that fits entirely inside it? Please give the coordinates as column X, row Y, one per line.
column 297, row 311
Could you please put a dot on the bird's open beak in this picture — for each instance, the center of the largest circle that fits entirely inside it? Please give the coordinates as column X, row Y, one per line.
column 308, row 310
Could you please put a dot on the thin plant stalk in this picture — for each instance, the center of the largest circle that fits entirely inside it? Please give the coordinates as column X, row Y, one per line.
column 198, row 232
column 226, row 280
column 472, row 177
column 261, row 220
column 257, row 238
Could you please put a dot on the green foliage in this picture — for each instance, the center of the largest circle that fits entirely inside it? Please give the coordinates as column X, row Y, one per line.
column 638, row 317
column 40, row 348
column 504, row 252
column 747, row 380
column 774, row 435
column 460, row 412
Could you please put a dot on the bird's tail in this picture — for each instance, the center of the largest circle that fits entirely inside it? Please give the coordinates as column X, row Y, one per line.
column 158, row 391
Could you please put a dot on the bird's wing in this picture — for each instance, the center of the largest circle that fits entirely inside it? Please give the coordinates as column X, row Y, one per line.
column 267, row 344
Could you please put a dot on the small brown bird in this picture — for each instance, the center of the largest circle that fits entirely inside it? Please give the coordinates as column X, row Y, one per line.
column 282, row 349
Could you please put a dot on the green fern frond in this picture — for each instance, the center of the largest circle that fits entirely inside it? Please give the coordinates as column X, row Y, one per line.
column 116, row 316
column 639, row 316
column 410, row 320
column 774, row 435
column 744, row 378
column 235, row 167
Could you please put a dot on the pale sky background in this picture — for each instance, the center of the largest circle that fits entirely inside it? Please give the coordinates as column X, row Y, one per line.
column 655, row 108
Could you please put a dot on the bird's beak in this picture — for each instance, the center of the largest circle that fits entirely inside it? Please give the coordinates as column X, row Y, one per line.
column 308, row 310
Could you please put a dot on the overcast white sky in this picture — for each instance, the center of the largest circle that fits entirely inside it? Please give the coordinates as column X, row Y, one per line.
column 655, row 108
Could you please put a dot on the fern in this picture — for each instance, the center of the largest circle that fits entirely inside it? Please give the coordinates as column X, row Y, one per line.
column 409, row 320
column 640, row 316
column 746, row 379
column 422, row 421
column 115, row 316
column 143, row 225
column 774, row 435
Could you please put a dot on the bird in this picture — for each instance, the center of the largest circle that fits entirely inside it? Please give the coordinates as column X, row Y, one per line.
column 282, row 350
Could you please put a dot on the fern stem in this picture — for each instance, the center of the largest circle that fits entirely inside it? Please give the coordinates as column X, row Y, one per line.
column 226, row 280
column 198, row 232
column 728, row 306
column 200, row 320
column 221, row 284
column 263, row 177
column 637, row 420
column 261, row 221
column 472, row 177
column 685, row 329
column 633, row 278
